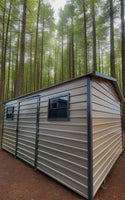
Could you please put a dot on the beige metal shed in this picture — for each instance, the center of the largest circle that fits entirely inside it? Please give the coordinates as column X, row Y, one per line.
column 71, row 131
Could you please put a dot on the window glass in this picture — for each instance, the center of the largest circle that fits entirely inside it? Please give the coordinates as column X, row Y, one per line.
column 9, row 113
column 58, row 108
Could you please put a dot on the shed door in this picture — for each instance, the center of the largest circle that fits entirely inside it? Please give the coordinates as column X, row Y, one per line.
column 27, row 130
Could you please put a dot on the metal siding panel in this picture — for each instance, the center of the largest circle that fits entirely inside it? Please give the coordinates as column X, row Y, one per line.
column 107, row 141
column 26, row 148
column 62, row 147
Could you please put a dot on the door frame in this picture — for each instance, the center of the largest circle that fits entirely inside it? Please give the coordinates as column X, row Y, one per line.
column 37, row 126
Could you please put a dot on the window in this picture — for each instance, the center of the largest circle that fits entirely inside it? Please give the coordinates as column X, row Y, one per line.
column 58, row 108
column 9, row 113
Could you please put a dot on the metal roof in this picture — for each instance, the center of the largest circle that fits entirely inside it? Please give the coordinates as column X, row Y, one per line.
column 92, row 74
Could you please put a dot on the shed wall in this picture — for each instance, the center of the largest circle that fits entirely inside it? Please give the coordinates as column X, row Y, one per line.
column 62, row 147
column 107, row 133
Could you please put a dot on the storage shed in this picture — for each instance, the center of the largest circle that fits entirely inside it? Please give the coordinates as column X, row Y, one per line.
column 71, row 131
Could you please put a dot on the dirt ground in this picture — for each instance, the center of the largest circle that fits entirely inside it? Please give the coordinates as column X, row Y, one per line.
column 18, row 181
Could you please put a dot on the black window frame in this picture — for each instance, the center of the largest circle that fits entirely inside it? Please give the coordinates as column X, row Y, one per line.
column 9, row 117
column 68, row 105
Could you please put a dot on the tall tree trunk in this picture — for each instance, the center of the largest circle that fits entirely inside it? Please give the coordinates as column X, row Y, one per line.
column 22, row 51
column 73, row 59
column 94, row 37
column 38, row 74
column 99, row 56
column 2, row 53
column 85, row 37
column 79, row 66
column 4, row 57
column 76, row 57
column 112, row 52
column 102, row 60
column 42, row 46
column 2, row 67
column 36, row 45
column 69, row 58
column 8, row 78
column 62, row 58
column 56, row 64
column 68, row 55
column 49, row 68
column 12, row 76
column 16, row 77
column 30, row 86
column 123, row 54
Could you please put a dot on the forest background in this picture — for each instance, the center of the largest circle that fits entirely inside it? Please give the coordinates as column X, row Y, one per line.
column 37, row 51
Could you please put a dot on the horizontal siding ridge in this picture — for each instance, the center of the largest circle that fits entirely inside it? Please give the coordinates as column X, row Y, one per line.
column 96, row 109
column 61, row 158
column 106, row 148
column 11, row 150
column 105, row 129
column 103, row 136
column 105, row 142
column 105, row 106
column 8, row 128
column 7, row 147
column 105, row 123
column 6, row 131
column 68, row 131
column 11, row 125
column 26, row 141
column 30, row 147
column 65, row 138
column 5, row 138
column 112, row 157
column 19, row 148
column 28, row 117
column 32, row 127
column 117, row 145
column 103, row 117
column 26, row 136
column 64, row 183
column 65, row 175
column 107, row 88
column 8, row 135
column 28, row 122
column 64, row 145
column 107, row 94
column 70, row 154
column 63, row 167
column 106, row 100
column 31, row 132
column 11, row 144
column 19, row 152
column 28, row 162
column 23, row 113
